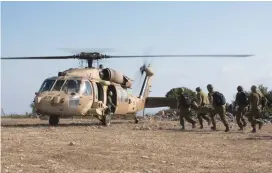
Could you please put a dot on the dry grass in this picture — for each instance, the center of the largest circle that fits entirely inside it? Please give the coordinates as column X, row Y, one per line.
column 150, row 146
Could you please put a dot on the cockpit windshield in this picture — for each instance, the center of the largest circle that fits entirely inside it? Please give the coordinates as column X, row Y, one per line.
column 47, row 85
column 71, row 86
column 58, row 85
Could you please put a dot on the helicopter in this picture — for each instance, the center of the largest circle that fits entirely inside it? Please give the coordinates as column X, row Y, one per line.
column 85, row 91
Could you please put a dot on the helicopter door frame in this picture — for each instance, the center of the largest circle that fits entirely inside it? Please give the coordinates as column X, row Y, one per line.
column 100, row 91
column 85, row 97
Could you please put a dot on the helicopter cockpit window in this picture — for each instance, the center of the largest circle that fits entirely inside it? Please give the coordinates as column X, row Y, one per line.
column 72, row 86
column 58, row 85
column 87, row 88
column 47, row 85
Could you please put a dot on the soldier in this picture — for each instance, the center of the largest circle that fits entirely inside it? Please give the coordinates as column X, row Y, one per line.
column 110, row 103
column 202, row 102
column 241, row 101
column 255, row 101
column 218, row 102
column 185, row 109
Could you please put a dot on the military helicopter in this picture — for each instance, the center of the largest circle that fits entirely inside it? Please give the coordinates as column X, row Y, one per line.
column 85, row 91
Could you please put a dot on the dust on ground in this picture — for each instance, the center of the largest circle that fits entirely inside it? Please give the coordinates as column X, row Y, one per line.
column 30, row 145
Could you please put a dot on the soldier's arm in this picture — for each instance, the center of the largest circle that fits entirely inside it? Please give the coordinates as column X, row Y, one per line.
column 199, row 99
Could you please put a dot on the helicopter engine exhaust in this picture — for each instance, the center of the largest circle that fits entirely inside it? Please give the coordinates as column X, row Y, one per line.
column 115, row 76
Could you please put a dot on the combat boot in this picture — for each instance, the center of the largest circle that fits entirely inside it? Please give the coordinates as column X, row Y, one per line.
column 253, row 130
column 213, row 128
column 201, row 127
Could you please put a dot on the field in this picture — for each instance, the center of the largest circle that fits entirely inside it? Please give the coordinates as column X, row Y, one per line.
column 30, row 145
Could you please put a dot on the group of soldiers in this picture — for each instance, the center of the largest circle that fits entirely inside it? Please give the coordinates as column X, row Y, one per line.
column 207, row 106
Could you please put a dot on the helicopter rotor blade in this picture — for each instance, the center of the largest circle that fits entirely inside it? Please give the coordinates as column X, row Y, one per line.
column 193, row 55
column 42, row 57
column 94, row 56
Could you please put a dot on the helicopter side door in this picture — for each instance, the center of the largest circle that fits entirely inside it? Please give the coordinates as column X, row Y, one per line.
column 86, row 96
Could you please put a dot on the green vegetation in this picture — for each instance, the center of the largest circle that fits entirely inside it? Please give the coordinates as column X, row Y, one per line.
column 175, row 92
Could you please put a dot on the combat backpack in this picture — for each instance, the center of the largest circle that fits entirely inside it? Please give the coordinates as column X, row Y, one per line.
column 218, row 99
column 185, row 100
column 242, row 98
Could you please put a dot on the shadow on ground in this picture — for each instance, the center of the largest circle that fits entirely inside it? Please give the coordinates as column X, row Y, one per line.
column 75, row 124
column 259, row 137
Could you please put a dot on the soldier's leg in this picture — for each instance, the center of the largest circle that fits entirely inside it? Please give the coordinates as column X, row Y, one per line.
column 258, row 118
column 243, row 121
column 238, row 119
column 243, row 116
column 199, row 117
column 206, row 117
column 213, row 113
column 222, row 114
column 188, row 118
column 181, row 121
column 252, row 121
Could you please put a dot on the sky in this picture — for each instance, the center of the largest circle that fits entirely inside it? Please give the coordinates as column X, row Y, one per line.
column 45, row 28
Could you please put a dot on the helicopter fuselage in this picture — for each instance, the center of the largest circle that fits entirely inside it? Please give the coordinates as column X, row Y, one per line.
column 82, row 92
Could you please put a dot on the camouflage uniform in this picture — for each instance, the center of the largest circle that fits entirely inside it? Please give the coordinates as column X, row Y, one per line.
column 242, row 109
column 185, row 113
column 110, row 103
column 255, row 113
column 202, row 102
column 221, row 110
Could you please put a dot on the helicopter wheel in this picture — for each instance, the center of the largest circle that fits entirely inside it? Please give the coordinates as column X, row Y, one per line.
column 136, row 119
column 53, row 120
column 106, row 120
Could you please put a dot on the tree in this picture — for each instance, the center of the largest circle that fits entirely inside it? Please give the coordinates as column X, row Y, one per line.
column 175, row 92
column 32, row 106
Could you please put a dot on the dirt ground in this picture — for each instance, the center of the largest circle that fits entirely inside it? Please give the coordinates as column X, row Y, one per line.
column 30, row 145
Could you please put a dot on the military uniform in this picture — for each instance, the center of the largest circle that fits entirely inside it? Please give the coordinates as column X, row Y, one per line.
column 255, row 113
column 185, row 113
column 202, row 102
column 110, row 103
column 242, row 108
column 220, row 110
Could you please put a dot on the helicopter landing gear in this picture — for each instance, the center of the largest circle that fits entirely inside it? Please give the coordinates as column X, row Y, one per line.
column 53, row 120
column 136, row 119
column 106, row 119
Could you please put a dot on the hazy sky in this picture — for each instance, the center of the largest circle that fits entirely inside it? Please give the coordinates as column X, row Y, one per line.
column 42, row 28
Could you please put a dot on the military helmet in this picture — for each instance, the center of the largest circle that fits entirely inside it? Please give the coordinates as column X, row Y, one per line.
column 209, row 87
column 253, row 88
column 198, row 89
column 110, row 93
column 240, row 88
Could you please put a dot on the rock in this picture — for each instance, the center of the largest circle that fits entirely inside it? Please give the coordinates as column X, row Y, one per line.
column 163, row 161
column 145, row 157
column 71, row 144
